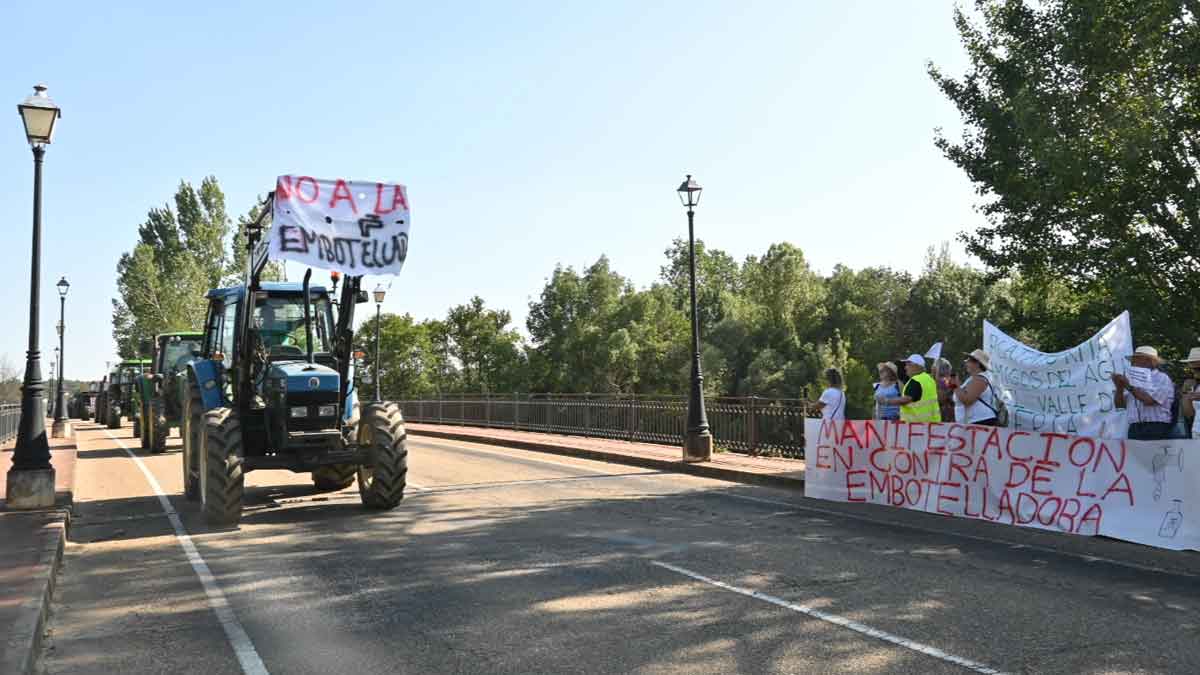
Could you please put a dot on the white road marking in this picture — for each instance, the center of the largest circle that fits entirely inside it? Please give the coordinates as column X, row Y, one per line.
column 836, row 620
column 243, row 648
column 853, row 516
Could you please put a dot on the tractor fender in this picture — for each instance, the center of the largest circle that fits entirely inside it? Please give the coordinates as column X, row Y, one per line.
column 206, row 376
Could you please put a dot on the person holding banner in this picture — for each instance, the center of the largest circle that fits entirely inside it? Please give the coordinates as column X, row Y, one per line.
column 832, row 403
column 918, row 400
column 1151, row 401
column 888, row 387
column 975, row 400
column 1191, row 392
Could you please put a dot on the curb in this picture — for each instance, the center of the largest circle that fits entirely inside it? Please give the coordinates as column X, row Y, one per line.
column 696, row 469
column 23, row 645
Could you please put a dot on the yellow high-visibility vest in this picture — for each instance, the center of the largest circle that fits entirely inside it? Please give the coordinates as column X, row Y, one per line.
column 926, row 408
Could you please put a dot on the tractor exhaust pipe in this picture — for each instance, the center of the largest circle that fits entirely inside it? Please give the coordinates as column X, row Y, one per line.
column 308, row 316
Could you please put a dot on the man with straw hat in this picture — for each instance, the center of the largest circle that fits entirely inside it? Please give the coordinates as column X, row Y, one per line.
column 1149, row 406
column 1191, row 391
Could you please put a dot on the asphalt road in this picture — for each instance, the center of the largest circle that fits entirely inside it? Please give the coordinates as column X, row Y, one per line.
column 508, row 561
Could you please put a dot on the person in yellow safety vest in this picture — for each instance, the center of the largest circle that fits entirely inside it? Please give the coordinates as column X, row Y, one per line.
column 918, row 399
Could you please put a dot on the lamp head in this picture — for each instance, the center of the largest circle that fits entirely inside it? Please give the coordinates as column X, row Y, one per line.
column 39, row 114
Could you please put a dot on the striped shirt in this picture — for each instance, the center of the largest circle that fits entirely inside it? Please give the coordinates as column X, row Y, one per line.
column 1163, row 393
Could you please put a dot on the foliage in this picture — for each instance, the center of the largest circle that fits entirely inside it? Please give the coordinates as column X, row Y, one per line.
column 1083, row 137
column 180, row 254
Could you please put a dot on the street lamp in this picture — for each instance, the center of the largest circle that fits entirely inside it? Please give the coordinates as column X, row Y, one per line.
column 62, row 427
column 31, row 478
column 697, row 445
column 380, row 292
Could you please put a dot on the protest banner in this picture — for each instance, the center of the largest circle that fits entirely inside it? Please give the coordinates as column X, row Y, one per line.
column 1068, row 392
column 1138, row 491
column 352, row 227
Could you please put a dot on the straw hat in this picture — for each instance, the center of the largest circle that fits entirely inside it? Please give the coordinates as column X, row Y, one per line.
column 1146, row 351
column 892, row 367
column 982, row 357
column 1192, row 357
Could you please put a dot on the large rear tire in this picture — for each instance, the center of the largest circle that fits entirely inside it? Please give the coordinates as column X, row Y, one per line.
column 223, row 483
column 193, row 422
column 381, row 430
column 101, row 405
column 157, row 429
column 335, row 477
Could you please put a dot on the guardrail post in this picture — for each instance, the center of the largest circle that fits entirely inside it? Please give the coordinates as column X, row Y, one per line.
column 587, row 414
column 487, row 410
column 753, row 425
column 516, row 411
column 632, row 417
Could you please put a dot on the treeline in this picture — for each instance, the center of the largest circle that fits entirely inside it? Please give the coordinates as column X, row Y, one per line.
column 769, row 325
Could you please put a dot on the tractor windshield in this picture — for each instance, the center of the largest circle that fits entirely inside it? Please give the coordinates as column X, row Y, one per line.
column 279, row 320
column 176, row 352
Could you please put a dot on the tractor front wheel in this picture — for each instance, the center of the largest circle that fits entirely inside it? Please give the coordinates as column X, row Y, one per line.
column 193, row 422
column 112, row 417
column 381, row 431
column 157, row 429
column 335, row 477
column 222, row 480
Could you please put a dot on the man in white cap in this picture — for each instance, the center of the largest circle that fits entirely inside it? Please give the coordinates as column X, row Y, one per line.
column 918, row 399
column 1190, row 393
column 1149, row 406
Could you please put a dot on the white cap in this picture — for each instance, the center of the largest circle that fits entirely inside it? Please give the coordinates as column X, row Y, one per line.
column 916, row 359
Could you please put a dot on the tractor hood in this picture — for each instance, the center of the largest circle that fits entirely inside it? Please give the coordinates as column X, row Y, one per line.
column 302, row 376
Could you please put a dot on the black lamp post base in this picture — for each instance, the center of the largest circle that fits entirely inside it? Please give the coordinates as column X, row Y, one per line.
column 697, row 446
column 30, row 489
column 61, row 429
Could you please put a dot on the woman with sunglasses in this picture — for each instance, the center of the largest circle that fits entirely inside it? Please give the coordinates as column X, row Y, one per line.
column 975, row 399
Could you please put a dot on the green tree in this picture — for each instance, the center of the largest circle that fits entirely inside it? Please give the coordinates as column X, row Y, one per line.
column 1083, row 137
column 486, row 348
column 718, row 279
column 235, row 272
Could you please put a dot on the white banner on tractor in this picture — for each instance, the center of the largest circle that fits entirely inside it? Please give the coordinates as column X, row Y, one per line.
column 350, row 226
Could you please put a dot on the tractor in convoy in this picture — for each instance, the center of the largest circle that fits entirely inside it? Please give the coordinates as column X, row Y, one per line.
column 163, row 389
column 273, row 388
column 83, row 403
column 119, row 396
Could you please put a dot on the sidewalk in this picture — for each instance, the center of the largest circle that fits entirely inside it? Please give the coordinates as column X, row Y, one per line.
column 731, row 466
column 31, row 549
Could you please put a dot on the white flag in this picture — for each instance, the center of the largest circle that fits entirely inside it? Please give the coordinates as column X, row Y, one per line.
column 935, row 352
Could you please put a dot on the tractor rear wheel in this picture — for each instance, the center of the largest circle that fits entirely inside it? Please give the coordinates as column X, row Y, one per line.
column 100, row 409
column 157, row 429
column 193, row 422
column 222, row 480
column 112, row 417
column 381, row 431
column 335, row 477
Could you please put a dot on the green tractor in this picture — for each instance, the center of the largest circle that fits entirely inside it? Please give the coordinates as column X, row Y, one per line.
column 163, row 389
column 120, row 395
column 82, row 403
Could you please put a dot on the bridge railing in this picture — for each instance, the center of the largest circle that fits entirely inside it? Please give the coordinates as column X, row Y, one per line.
column 10, row 417
column 751, row 424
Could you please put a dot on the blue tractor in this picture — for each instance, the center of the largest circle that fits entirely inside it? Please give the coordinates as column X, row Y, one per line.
column 272, row 387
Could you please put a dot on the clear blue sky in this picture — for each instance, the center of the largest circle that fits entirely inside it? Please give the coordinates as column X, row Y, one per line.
column 528, row 134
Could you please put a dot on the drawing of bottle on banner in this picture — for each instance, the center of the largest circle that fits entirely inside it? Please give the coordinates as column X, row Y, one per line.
column 1067, row 392
column 1172, row 520
column 352, row 227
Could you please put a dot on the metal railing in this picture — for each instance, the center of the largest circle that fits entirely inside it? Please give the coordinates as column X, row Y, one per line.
column 754, row 425
column 10, row 417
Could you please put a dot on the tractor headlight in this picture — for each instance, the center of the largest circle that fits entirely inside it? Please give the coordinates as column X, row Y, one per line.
column 327, row 411
column 299, row 411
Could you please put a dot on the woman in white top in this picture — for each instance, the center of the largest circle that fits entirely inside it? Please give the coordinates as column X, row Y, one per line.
column 975, row 399
column 833, row 400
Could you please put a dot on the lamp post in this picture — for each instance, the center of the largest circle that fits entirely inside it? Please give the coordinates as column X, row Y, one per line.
column 697, row 444
column 30, row 481
column 380, row 292
column 62, row 427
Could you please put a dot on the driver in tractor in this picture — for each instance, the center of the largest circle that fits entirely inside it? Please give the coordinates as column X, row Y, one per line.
column 277, row 333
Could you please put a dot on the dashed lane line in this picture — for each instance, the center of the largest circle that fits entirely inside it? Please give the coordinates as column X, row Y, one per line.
column 836, row 620
column 243, row 648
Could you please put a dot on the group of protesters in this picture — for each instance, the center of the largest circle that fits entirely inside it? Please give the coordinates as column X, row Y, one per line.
column 908, row 391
